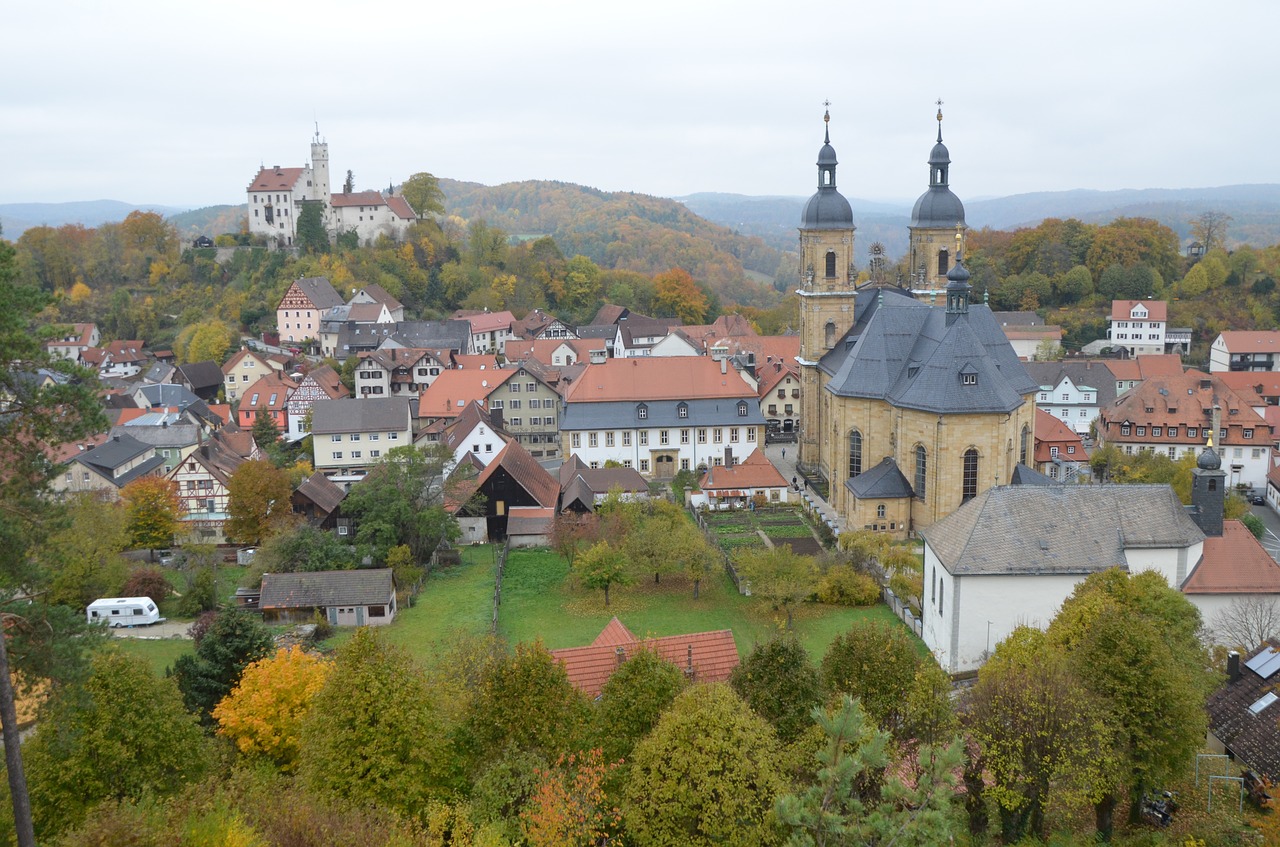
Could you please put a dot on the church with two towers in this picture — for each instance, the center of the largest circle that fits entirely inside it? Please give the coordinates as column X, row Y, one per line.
column 910, row 409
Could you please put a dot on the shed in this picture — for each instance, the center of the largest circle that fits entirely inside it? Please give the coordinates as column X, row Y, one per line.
column 365, row 597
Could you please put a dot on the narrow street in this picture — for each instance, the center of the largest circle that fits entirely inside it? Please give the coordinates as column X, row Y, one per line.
column 1271, row 538
column 784, row 457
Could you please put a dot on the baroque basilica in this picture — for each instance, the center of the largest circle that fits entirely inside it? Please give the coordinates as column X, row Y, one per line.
column 910, row 409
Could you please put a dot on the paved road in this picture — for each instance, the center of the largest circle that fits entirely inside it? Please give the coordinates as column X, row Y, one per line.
column 1271, row 538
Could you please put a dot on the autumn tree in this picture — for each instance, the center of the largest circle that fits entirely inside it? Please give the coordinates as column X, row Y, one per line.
column 258, row 504
column 602, row 566
column 835, row 809
column 123, row 714
column 1210, row 229
column 780, row 576
column 708, row 774
column 153, row 509
column 422, row 192
column 84, row 554
column 1133, row 642
column 678, row 296
column 524, row 701
column 265, row 711
column 235, row 639
column 875, row 662
column 570, row 531
column 654, row 544
column 569, row 808
column 206, row 341
column 633, row 699
column 1042, row 733
column 402, row 759
column 146, row 581
column 778, row 680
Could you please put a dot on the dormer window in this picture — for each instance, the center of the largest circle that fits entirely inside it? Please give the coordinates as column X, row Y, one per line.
column 968, row 379
column 682, row 410
column 642, row 412
column 742, row 408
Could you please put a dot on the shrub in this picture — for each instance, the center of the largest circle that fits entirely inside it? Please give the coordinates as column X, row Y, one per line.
column 148, row 581
column 844, row 586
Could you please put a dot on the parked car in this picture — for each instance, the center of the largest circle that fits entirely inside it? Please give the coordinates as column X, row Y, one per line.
column 1257, row 500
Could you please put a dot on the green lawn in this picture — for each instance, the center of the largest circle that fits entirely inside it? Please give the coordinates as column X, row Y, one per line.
column 454, row 600
column 160, row 652
column 538, row 601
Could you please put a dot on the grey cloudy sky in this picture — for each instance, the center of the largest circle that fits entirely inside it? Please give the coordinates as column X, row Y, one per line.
column 178, row 103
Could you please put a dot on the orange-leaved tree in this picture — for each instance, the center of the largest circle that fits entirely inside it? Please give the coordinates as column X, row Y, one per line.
column 263, row 714
column 569, row 807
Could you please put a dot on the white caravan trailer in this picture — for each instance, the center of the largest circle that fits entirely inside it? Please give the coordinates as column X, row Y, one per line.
column 124, row 611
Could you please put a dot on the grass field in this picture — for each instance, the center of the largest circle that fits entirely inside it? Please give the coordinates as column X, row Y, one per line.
column 160, row 652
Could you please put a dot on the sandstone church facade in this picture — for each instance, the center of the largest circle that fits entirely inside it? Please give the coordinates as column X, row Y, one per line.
column 910, row 409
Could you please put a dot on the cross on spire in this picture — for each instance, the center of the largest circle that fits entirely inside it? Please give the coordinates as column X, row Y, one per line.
column 939, row 102
column 826, row 119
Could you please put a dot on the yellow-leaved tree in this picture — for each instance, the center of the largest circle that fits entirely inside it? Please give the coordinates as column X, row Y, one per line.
column 263, row 714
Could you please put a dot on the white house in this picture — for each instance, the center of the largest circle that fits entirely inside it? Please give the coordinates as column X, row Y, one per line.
column 350, row 435
column 474, row 432
column 490, row 331
column 1073, row 392
column 71, row 343
column 1138, row 325
column 303, row 307
column 1245, row 351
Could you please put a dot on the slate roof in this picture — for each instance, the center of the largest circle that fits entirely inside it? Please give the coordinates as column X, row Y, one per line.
column 902, row 351
column 1234, row 563
column 201, row 374
column 1023, row 475
column 1018, row 318
column 348, row 414
column 1252, row 738
column 119, row 450
column 606, row 332
column 704, row 656
column 366, row 587
column 167, row 394
column 1059, row 529
column 624, row 414
column 158, row 372
column 883, row 482
column 167, row 435
column 755, row 471
column 450, row 335
column 320, row 292
column 1096, row 375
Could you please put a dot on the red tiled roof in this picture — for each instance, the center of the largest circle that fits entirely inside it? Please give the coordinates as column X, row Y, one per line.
column 755, row 471
column 1145, row 367
column 1234, row 563
column 359, row 198
column 1183, row 401
column 1051, row 432
column 704, row 656
column 614, row 634
column 263, row 389
column 1246, row 384
column 126, row 351
column 1157, row 310
column 676, row 378
column 452, row 390
column 1246, row 341
column 466, row 361
column 485, row 321
column 401, row 208
column 276, row 179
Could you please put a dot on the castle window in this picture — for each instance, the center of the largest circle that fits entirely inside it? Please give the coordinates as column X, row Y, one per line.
column 831, row 264
column 922, row 472
column 969, row 485
column 830, row 334
column 943, row 265
column 855, row 453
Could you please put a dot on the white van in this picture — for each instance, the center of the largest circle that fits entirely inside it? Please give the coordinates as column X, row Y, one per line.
column 124, row 611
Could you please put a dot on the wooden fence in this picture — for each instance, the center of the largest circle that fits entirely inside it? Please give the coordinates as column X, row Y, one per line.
column 499, row 566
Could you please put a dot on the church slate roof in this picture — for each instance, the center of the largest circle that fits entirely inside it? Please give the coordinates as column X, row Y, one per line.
column 1023, row 475
column 884, row 482
column 1058, row 529
column 903, row 351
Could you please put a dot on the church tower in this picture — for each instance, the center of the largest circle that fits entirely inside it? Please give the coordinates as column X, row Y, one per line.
column 826, row 289
column 937, row 224
column 1208, row 490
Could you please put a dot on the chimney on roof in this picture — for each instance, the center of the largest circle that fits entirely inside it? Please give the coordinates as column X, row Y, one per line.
column 1233, row 666
column 724, row 366
column 688, row 667
column 620, row 653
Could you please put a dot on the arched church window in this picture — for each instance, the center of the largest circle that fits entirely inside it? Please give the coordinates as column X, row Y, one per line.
column 880, row 510
column 831, row 264
column 969, row 488
column 831, row 334
column 826, row 177
column 855, row 453
column 922, row 472
column 943, row 265
column 1026, row 439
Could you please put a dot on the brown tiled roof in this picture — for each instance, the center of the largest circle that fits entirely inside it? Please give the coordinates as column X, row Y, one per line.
column 468, row 362
column 526, row 471
column 366, row 587
column 452, row 390
column 675, row 378
column 1253, row 738
column 276, row 179
column 229, row 365
column 703, row 656
column 1245, row 341
column 1247, row 384
column 460, row 427
column 1183, row 401
column 1234, row 563
column 1157, row 310
column 401, row 208
column 380, row 295
column 126, row 351
column 1031, row 333
column 263, row 388
column 532, row 323
column 328, row 381
column 1051, row 432
column 756, row 471
column 320, row 490
column 609, row 314
column 1145, row 367
column 486, row 321
column 359, row 198
column 773, row 372
column 530, row 520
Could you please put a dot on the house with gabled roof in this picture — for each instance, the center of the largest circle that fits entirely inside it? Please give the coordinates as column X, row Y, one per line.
column 107, row 468
column 1138, row 325
column 202, row 379
column 475, row 432
column 364, row 597
column 452, row 390
column 701, row 656
column 244, row 368
column 1244, row 713
column 202, row 479
column 1059, row 450
column 1245, row 350
column 269, row 396
column 537, row 324
column 514, row 486
column 660, row 415
column 394, row 371
column 350, row 435
column 490, row 331
column 583, row 487
column 370, row 214
column 123, row 359
column 735, row 486
column 1073, row 392
column 322, row 383
column 374, row 293
column 318, row 501
column 302, row 308
column 74, row 340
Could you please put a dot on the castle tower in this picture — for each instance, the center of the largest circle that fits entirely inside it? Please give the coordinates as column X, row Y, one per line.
column 826, row 289
column 936, row 220
column 319, row 170
column 1208, row 490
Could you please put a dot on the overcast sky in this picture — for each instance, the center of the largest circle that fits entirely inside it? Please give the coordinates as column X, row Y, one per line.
column 178, row 103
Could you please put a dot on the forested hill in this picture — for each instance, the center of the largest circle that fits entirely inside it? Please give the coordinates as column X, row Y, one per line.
column 622, row 231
